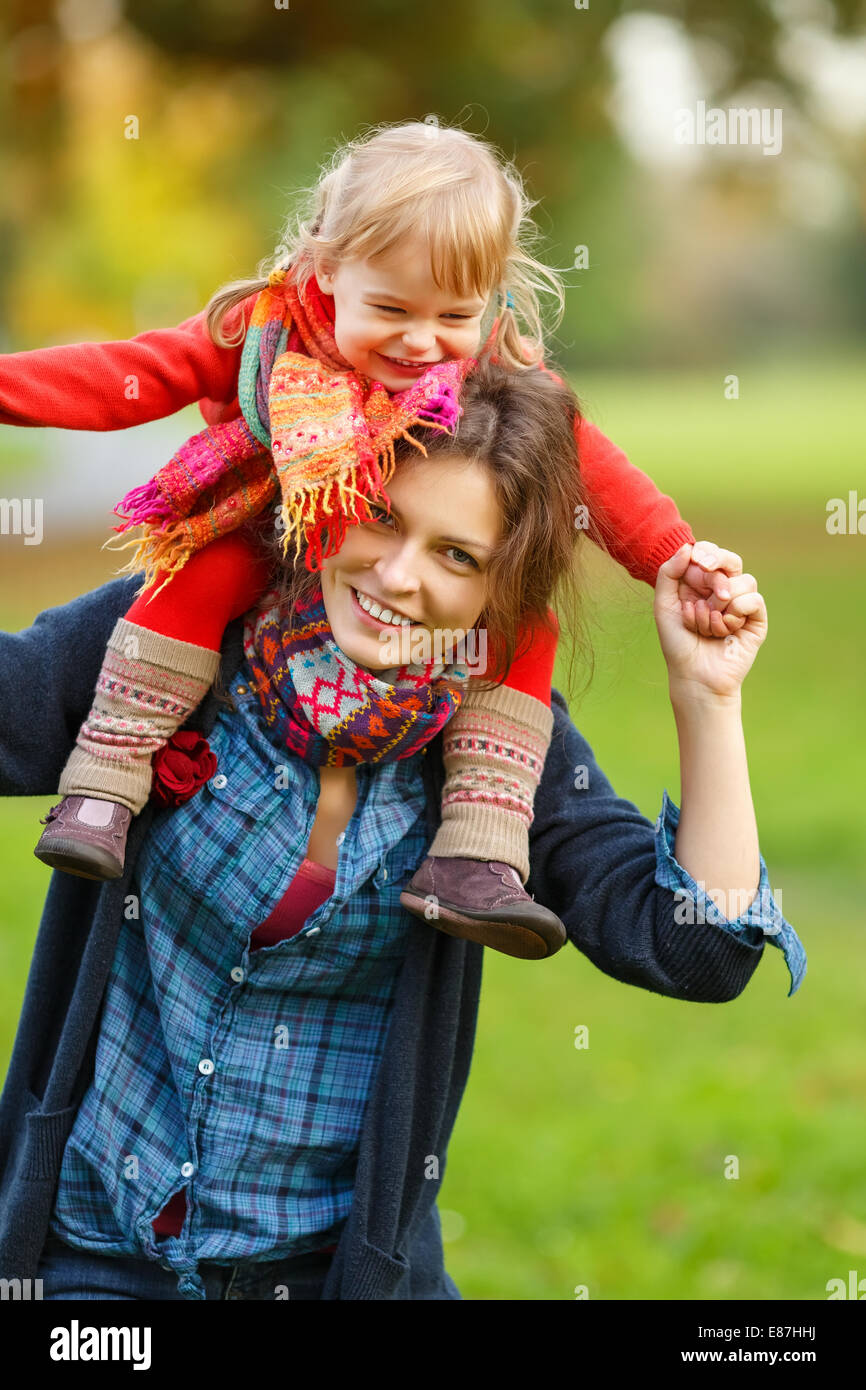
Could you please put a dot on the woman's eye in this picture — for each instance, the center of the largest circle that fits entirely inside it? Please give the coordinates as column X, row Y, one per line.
column 461, row 556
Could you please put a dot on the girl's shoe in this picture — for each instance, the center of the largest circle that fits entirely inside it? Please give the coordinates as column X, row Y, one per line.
column 85, row 837
column 485, row 903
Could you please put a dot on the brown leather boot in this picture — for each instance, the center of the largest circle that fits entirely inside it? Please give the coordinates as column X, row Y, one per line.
column 86, row 837
column 485, row 903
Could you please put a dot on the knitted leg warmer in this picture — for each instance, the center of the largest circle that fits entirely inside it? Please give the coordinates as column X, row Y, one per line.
column 147, row 687
column 494, row 749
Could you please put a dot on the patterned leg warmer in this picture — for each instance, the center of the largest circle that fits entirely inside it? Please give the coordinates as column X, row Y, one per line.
column 147, row 687
column 494, row 750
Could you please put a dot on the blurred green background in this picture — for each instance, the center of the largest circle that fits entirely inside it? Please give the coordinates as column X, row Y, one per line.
column 601, row 1167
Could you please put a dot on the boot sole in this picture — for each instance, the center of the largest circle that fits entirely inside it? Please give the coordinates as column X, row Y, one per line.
column 66, row 856
column 508, row 937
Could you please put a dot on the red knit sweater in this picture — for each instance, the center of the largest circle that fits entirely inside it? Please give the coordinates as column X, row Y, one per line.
column 110, row 386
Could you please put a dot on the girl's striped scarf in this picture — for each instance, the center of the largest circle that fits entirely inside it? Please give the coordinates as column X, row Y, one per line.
column 330, row 711
column 315, row 436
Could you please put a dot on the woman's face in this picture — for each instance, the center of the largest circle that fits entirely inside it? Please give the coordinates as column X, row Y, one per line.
column 422, row 570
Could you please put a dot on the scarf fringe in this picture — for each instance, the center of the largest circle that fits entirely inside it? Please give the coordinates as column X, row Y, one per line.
column 443, row 410
column 310, row 511
column 143, row 504
column 309, row 514
column 162, row 551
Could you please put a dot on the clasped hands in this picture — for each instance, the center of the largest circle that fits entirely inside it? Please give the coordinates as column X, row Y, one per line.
column 701, row 592
column 711, row 589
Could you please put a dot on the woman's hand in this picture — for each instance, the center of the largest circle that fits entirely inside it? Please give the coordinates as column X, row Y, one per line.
column 700, row 663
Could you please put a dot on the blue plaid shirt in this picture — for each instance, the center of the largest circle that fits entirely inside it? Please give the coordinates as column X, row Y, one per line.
column 243, row 1078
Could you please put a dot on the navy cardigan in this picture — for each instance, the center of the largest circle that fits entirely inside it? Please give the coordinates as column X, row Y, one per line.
column 593, row 862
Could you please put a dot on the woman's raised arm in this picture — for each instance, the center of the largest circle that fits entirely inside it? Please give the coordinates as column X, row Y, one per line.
column 637, row 898
column 717, row 837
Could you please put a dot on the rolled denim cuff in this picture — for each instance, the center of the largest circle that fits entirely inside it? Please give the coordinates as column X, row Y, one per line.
column 762, row 919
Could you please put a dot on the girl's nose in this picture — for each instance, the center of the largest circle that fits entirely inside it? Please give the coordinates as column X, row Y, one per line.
column 418, row 339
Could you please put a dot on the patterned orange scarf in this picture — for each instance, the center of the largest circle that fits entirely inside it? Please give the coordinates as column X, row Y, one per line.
column 313, row 433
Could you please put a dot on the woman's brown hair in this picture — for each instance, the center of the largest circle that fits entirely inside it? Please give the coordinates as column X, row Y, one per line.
column 521, row 426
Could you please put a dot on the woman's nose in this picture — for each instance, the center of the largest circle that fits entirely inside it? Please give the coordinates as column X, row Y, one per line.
column 397, row 571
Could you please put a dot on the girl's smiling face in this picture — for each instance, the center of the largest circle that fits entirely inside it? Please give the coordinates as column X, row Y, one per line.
column 391, row 308
column 426, row 562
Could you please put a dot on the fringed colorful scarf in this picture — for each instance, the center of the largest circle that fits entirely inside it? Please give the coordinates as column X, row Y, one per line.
column 330, row 711
column 314, row 434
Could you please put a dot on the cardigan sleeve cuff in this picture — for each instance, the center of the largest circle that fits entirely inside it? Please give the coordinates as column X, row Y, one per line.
column 761, row 920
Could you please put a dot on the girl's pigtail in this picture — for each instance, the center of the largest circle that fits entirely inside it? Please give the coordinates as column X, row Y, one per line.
column 220, row 305
column 511, row 347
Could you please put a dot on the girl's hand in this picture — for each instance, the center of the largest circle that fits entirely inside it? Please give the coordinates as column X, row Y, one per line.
column 698, row 663
column 704, row 588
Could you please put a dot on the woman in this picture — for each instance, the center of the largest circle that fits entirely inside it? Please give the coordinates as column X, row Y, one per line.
column 218, row 1093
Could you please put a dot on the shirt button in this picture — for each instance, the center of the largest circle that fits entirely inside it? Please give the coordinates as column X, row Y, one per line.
column 237, row 974
column 219, row 781
column 242, row 690
column 385, row 874
column 187, row 1170
column 341, row 837
column 313, row 931
column 205, row 1066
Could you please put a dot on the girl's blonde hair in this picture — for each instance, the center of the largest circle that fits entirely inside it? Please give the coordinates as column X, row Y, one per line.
column 456, row 190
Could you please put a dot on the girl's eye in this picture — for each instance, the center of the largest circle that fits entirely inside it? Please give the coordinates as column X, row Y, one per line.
column 392, row 309
column 461, row 557
column 379, row 514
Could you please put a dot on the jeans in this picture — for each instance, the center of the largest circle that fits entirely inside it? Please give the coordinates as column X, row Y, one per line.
column 67, row 1272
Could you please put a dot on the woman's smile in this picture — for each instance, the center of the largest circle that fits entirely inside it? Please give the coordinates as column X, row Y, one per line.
column 376, row 613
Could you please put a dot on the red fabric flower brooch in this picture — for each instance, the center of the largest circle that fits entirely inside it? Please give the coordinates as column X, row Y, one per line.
column 180, row 767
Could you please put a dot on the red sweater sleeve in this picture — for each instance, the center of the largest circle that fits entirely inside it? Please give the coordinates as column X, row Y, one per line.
column 86, row 386
column 641, row 526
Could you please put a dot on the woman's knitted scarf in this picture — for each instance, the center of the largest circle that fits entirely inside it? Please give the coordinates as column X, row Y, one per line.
column 314, row 434
column 327, row 709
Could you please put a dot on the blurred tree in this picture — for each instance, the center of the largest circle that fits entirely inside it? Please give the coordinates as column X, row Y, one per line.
column 246, row 32
column 240, row 101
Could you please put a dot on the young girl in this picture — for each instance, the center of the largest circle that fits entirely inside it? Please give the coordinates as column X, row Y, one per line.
column 416, row 234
